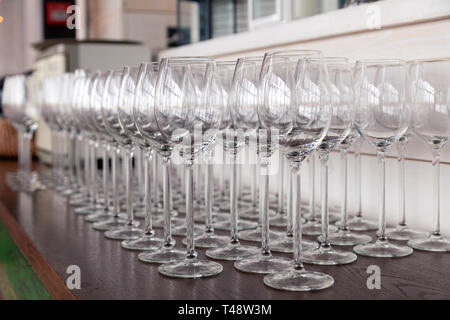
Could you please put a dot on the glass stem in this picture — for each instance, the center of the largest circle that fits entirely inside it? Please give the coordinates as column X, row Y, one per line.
column 233, row 200
column 222, row 174
column 312, row 185
column 78, row 155
column 105, row 170
column 401, row 147
column 139, row 169
column 26, row 146
column 344, row 211
column 94, row 171
column 155, row 181
column 71, row 154
column 87, row 174
column 20, row 138
column 264, row 205
column 115, row 180
column 281, row 209
column 191, row 253
column 128, row 158
column 437, row 190
column 147, row 159
column 324, row 198
column 209, row 189
column 382, row 212
column 290, row 202
column 254, row 189
column 167, row 192
column 358, row 182
column 297, row 208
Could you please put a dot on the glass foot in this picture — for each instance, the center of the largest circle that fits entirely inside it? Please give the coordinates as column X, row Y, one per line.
column 242, row 225
column 382, row 249
column 348, row 238
column 182, row 231
column 233, row 251
column 112, row 223
column 298, row 280
column 404, row 233
column 279, row 220
column 79, row 201
column 87, row 210
column 165, row 254
column 263, row 264
column 146, row 242
column 286, row 244
column 435, row 243
column 314, row 228
column 176, row 222
column 190, row 268
column 361, row 224
column 125, row 233
column 101, row 215
column 209, row 240
column 326, row 255
column 255, row 235
column 217, row 217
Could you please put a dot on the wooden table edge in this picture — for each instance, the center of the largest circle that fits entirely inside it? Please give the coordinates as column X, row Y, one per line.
column 55, row 286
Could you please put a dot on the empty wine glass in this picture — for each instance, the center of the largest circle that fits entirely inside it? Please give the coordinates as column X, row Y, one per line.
column 431, row 122
column 342, row 116
column 144, row 117
column 292, row 89
column 383, row 116
column 188, row 111
column 242, row 107
column 115, row 97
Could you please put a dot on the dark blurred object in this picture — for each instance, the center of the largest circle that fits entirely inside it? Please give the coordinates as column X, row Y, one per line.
column 178, row 36
column 55, row 19
column 350, row 3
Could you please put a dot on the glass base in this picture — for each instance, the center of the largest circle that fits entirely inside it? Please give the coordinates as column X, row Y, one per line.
column 404, row 233
column 286, row 244
column 190, row 268
column 435, row 243
column 87, row 210
column 125, row 233
column 298, row 280
column 326, row 255
column 182, row 230
column 217, row 217
column 232, row 252
column 209, row 240
column 176, row 222
column 361, row 224
column 348, row 238
column 101, row 215
column 314, row 228
column 255, row 235
column 165, row 254
column 146, row 242
column 382, row 249
column 263, row 264
column 242, row 225
column 279, row 221
column 253, row 213
column 112, row 223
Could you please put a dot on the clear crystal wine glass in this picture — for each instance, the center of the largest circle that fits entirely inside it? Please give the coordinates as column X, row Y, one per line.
column 188, row 112
column 431, row 122
column 342, row 93
column 342, row 118
column 293, row 108
column 243, row 99
column 144, row 117
column 113, row 97
column 383, row 116
column 148, row 240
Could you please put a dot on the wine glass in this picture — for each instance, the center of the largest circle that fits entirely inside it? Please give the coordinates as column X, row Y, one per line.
column 112, row 98
column 341, row 79
column 147, row 241
column 292, row 89
column 342, row 118
column 383, row 116
column 145, row 121
column 243, row 100
column 188, row 112
column 431, row 122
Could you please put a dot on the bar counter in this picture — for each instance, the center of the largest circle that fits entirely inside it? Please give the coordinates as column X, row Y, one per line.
column 40, row 237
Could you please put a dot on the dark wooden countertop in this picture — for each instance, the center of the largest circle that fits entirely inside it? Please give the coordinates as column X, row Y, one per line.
column 52, row 238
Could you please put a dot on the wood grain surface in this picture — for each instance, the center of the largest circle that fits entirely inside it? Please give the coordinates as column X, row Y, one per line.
column 109, row 272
